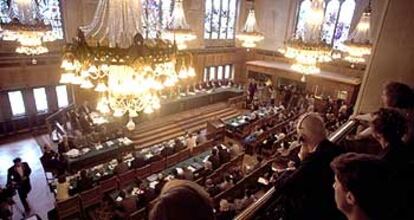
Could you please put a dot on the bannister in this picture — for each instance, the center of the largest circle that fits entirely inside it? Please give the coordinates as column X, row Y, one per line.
column 335, row 137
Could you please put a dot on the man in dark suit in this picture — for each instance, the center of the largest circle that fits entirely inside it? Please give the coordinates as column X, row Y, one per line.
column 18, row 176
column 139, row 161
column 307, row 193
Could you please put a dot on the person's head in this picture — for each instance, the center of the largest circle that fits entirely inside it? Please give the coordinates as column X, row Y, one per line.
column 360, row 185
column 61, row 179
column 311, row 130
column 214, row 151
column 224, row 205
column 388, row 126
column 83, row 174
column 209, row 183
column 17, row 161
column 47, row 148
column 397, row 95
column 184, row 200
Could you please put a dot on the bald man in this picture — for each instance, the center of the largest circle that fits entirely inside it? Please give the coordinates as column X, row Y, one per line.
column 307, row 193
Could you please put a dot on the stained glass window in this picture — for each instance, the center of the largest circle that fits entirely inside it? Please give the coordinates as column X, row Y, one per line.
column 49, row 9
column 156, row 16
column 344, row 23
column 220, row 19
column 337, row 21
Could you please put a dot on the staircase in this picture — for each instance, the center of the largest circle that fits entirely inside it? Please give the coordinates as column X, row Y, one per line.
column 166, row 128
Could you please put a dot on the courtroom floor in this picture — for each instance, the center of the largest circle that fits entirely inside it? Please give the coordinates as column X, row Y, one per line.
column 40, row 198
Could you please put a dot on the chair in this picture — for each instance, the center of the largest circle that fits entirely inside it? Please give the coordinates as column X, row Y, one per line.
column 108, row 185
column 143, row 172
column 173, row 159
column 90, row 198
column 68, row 208
column 126, row 178
column 158, row 166
column 138, row 215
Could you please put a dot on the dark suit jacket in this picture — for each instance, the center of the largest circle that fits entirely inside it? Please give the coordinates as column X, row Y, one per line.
column 307, row 193
column 14, row 176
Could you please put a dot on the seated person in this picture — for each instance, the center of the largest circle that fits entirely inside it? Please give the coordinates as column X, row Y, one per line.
column 227, row 183
column 184, row 200
column 62, row 188
column 65, row 145
column 166, row 150
column 211, row 188
column 124, row 207
column 226, row 211
column 139, row 161
column 85, row 182
column 179, row 146
column 214, row 159
column 122, row 167
column 201, row 138
column 50, row 159
column 224, row 154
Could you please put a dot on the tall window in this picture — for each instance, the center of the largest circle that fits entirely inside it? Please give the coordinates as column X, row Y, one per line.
column 218, row 72
column 40, row 99
column 220, row 19
column 62, row 96
column 337, row 21
column 17, row 103
column 156, row 16
column 49, row 10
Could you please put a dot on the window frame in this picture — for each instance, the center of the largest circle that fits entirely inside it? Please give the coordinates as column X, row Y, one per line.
column 160, row 18
column 46, row 100
column 19, row 114
column 57, row 96
column 208, row 71
column 208, row 37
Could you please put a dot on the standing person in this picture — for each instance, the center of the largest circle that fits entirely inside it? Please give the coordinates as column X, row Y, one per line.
column 18, row 176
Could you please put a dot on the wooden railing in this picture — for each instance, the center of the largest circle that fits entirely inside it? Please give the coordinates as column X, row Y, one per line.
column 53, row 118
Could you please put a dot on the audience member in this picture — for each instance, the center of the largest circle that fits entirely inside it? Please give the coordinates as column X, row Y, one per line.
column 62, row 188
column 182, row 200
column 85, row 182
column 122, row 167
column 214, row 159
column 361, row 187
column 124, row 207
column 307, row 192
column 201, row 138
column 211, row 188
column 139, row 161
column 225, row 211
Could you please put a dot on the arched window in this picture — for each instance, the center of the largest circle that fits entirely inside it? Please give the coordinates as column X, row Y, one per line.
column 337, row 21
column 49, row 9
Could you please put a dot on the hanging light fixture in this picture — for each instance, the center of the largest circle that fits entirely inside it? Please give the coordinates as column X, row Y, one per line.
column 359, row 44
column 178, row 29
column 111, row 57
column 308, row 49
column 250, row 34
column 27, row 28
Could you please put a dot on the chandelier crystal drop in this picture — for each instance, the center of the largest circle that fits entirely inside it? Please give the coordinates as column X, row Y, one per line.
column 178, row 29
column 308, row 49
column 27, row 27
column 359, row 44
column 250, row 34
column 115, row 60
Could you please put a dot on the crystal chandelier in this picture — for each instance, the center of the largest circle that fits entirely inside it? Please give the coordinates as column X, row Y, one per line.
column 128, row 72
column 359, row 44
column 178, row 29
column 27, row 28
column 250, row 34
column 307, row 49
